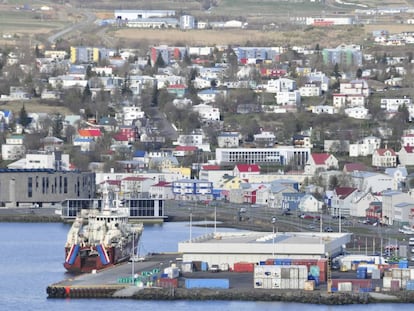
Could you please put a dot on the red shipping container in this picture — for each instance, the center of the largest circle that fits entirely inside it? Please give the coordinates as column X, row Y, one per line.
column 243, row 267
column 167, row 283
column 395, row 285
column 323, row 268
column 356, row 283
column 270, row 262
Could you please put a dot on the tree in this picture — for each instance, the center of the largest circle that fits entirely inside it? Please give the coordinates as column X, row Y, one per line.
column 359, row 73
column 159, row 63
column 24, row 119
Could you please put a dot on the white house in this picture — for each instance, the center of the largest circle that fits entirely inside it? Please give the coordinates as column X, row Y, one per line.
column 309, row 204
column 373, row 182
column 207, row 112
column 310, row 90
column 384, row 158
column 393, row 104
column 390, row 199
column 343, row 100
column 161, row 190
column 357, row 113
column 280, row 85
column 341, row 201
column 324, row 109
column 364, row 147
column 361, row 202
column 228, row 139
column 244, row 171
column 13, row 149
column 355, row 87
column 320, row 161
column 131, row 114
column 288, row 98
column 406, row 155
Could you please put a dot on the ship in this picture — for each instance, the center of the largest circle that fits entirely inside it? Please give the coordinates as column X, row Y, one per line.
column 101, row 238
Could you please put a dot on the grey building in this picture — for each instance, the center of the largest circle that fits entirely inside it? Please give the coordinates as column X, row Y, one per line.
column 44, row 187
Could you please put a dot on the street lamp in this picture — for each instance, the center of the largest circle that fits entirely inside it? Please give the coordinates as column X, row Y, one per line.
column 273, row 236
column 191, row 223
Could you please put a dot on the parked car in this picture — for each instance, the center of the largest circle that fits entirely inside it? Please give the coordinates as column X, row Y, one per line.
column 328, row 229
column 214, row 268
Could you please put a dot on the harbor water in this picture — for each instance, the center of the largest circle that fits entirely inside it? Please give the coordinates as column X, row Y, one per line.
column 32, row 254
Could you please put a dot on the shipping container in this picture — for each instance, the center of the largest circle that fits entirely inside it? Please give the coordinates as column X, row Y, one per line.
column 267, row 283
column 309, row 285
column 172, row 272
column 204, row 266
column 243, row 267
column 386, row 281
column 405, row 274
column 395, row 285
column 207, row 283
column 197, row 265
column 403, row 264
column 186, row 267
column 224, row 267
column 376, row 274
column 396, row 273
column 314, row 271
column 276, row 283
column 410, row 285
column 167, row 283
column 344, row 287
column 258, row 283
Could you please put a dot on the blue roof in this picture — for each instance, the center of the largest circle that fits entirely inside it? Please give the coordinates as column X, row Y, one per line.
column 83, row 140
column 139, row 154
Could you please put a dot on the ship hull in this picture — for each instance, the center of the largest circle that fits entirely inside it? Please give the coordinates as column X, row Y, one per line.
column 85, row 259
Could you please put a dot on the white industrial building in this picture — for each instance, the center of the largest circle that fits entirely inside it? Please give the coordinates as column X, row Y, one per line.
column 232, row 247
column 282, row 155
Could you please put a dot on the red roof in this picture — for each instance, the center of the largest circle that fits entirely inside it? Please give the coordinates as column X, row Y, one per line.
column 162, row 184
column 211, row 167
column 134, row 178
column 248, row 168
column 185, row 148
column 120, row 137
column 343, row 192
column 382, row 151
column 351, row 167
column 111, row 182
column 320, row 158
column 176, row 86
column 409, row 149
column 89, row 132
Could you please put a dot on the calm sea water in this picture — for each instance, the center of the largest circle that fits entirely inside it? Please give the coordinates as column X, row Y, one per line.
column 31, row 257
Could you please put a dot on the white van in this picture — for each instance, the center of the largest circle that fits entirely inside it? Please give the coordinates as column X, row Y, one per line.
column 411, row 242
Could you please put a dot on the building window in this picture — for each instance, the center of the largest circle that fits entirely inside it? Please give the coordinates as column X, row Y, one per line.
column 30, row 187
column 65, row 185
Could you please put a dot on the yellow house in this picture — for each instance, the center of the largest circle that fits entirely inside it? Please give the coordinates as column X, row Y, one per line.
column 183, row 172
column 231, row 182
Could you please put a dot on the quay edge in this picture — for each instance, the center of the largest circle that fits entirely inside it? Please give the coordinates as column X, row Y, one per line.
column 156, row 293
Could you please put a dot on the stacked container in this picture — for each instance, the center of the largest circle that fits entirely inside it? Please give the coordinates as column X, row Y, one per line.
column 400, row 276
column 280, row 277
column 362, row 273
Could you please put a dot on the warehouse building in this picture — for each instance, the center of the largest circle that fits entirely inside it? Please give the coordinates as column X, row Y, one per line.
column 233, row 247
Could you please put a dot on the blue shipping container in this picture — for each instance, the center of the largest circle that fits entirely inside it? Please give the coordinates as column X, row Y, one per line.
column 262, row 263
column 204, row 266
column 207, row 283
column 278, row 262
column 410, row 285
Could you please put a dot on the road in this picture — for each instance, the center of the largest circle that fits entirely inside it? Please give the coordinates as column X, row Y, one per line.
column 88, row 20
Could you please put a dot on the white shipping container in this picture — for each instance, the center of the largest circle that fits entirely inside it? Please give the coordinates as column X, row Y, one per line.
column 344, row 287
column 172, row 272
column 284, row 283
column 303, row 272
column 396, row 273
column 405, row 274
column 301, row 283
column 267, row 283
column 258, row 283
column 376, row 274
column 403, row 283
column 294, row 284
column 187, row 267
column 386, row 281
column 224, row 267
column 411, row 274
column 294, row 273
column 276, row 283
column 258, row 271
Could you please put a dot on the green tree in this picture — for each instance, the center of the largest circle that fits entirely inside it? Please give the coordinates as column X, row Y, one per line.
column 24, row 119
